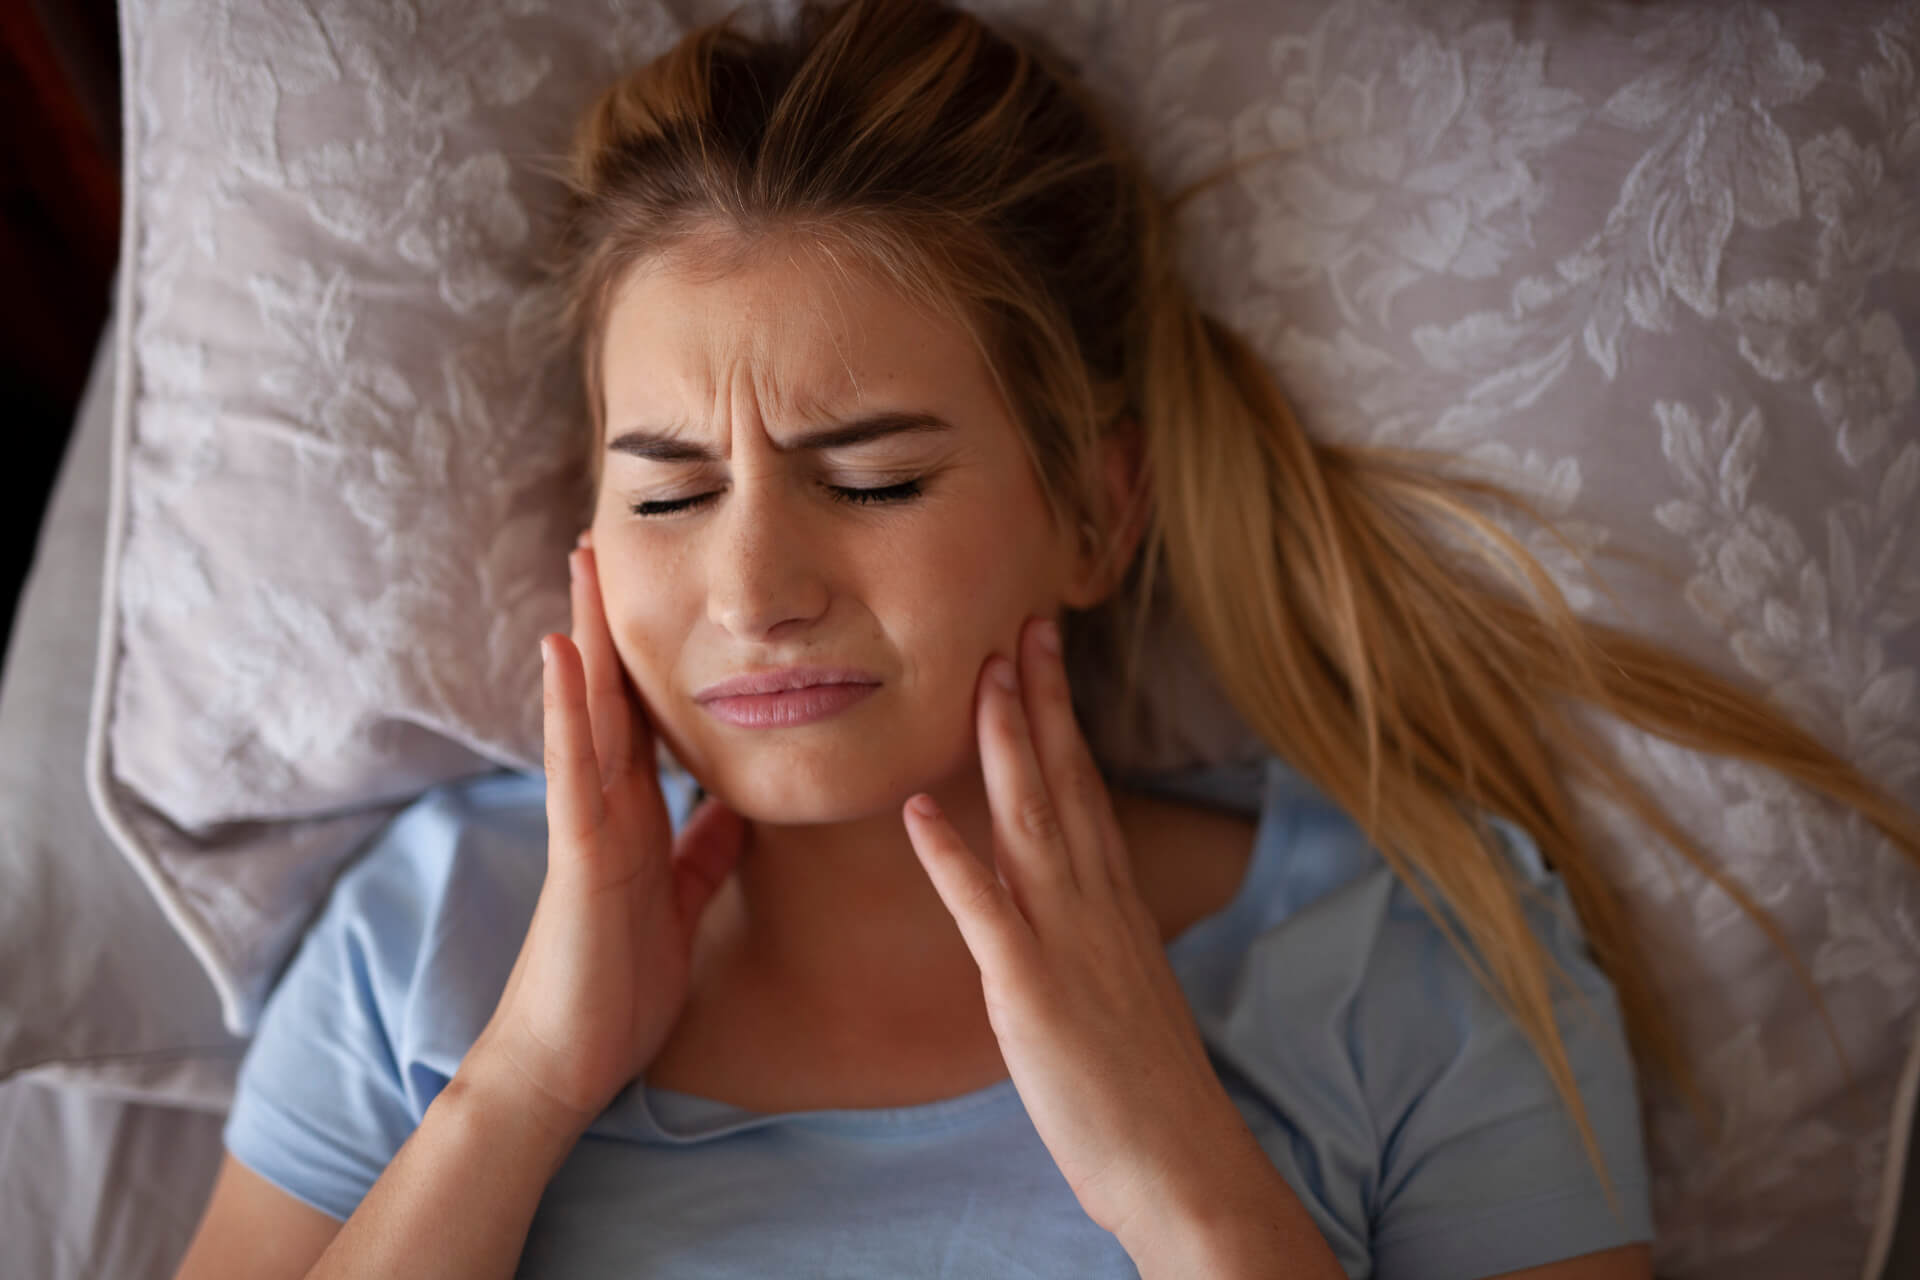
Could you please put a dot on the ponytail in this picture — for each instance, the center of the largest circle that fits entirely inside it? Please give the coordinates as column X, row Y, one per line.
column 1418, row 693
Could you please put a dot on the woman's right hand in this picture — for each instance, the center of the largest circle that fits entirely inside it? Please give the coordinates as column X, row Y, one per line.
column 602, row 975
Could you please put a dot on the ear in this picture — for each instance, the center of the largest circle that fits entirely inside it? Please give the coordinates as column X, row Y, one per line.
column 1101, row 561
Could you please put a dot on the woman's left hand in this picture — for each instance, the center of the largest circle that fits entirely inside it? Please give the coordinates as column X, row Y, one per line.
column 1094, row 1028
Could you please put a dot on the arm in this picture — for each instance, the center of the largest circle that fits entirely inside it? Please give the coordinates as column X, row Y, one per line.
column 1276, row 1241
column 463, row 1185
column 252, row 1228
column 458, row 1198
column 1628, row 1262
column 1247, row 1226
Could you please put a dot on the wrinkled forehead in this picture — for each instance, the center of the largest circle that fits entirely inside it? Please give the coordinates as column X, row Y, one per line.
column 785, row 337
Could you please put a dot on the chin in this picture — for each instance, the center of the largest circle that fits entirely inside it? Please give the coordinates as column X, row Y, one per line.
column 832, row 778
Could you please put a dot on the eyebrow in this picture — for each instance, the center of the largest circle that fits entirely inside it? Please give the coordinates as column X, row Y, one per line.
column 662, row 446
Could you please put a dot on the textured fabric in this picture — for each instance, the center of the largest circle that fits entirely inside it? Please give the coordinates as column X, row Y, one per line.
column 1654, row 261
column 92, row 978
column 93, row 1186
column 1405, row 1107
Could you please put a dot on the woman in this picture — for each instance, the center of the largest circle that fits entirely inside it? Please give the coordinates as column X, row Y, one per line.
column 891, row 379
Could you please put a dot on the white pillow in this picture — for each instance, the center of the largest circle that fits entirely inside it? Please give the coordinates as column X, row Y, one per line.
column 1656, row 262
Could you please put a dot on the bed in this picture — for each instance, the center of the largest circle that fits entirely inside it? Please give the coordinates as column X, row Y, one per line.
column 1767, row 376
column 98, row 1177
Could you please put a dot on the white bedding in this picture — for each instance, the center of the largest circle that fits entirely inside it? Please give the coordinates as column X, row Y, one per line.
column 93, row 1187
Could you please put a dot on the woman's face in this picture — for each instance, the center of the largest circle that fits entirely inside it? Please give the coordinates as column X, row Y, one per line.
column 808, row 478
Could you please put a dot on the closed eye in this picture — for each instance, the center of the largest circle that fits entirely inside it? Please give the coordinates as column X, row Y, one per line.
column 905, row 491
column 672, row 506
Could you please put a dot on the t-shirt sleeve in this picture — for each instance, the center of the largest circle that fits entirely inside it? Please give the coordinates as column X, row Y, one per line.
column 323, row 1102
column 1481, row 1167
column 318, row 1110
column 391, row 985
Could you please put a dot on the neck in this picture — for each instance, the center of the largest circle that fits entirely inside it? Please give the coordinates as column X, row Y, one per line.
column 845, row 913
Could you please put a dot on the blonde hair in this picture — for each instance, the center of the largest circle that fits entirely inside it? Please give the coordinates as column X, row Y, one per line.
column 1410, row 683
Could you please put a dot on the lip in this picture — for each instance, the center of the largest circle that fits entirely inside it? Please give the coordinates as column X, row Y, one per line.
column 789, row 696
column 782, row 680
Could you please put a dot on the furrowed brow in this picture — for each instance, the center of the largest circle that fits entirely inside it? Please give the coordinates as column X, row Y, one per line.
column 661, row 446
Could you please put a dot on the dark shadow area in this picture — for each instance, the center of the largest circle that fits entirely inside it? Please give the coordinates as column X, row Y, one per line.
column 59, row 241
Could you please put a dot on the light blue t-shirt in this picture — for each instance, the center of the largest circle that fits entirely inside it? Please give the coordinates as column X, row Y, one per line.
column 1398, row 1100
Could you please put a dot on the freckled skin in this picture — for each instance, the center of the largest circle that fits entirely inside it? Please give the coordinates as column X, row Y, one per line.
column 773, row 569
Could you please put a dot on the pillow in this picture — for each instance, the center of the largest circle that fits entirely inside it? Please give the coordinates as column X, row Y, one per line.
column 1654, row 263
column 93, row 981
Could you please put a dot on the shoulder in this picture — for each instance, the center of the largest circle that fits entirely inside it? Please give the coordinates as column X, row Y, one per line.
column 367, row 1023
column 388, row 988
column 456, row 870
column 455, row 829
column 466, row 857
column 1315, row 872
column 1325, row 907
column 1410, row 1096
column 424, row 925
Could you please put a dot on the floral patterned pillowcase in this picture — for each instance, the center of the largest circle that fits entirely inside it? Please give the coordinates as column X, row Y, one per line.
column 1655, row 264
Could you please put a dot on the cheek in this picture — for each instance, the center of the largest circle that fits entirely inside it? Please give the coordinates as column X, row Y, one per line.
column 968, row 582
column 646, row 614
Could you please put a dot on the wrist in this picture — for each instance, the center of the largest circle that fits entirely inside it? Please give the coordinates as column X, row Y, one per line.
column 1238, row 1220
column 1179, row 1250
column 491, row 1094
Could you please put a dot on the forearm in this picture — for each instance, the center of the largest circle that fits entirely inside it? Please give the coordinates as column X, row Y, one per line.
column 1269, row 1246
column 459, row 1196
column 1242, row 1222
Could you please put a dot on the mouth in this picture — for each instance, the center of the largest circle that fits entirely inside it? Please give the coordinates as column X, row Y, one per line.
column 787, row 697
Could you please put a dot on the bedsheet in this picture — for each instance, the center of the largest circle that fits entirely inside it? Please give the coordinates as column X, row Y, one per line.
column 95, row 1187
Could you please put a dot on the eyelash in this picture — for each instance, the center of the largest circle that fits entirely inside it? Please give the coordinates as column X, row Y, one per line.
column 905, row 491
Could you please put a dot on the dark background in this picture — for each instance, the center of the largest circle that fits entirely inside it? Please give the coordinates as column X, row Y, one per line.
column 59, row 241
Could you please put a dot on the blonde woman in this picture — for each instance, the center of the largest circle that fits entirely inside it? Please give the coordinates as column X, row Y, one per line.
column 899, row 415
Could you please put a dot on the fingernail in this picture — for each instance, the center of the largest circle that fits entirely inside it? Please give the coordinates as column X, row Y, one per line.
column 1003, row 675
column 585, row 539
column 1048, row 634
column 924, row 806
column 546, row 654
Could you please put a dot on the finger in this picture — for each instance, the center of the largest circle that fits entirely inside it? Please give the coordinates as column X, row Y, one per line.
column 1072, row 778
column 1028, row 836
column 704, row 855
column 990, row 922
column 574, row 802
column 610, row 708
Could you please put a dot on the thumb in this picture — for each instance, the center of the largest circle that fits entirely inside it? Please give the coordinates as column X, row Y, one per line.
column 704, row 855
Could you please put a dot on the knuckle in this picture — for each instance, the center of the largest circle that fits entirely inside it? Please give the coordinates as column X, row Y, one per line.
column 1083, row 786
column 983, row 897
column 1035, row 818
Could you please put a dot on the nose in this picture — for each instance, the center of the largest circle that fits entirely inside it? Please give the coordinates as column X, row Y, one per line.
column 764, row 577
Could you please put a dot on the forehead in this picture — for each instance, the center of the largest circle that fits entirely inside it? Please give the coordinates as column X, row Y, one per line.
column 796, row 333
